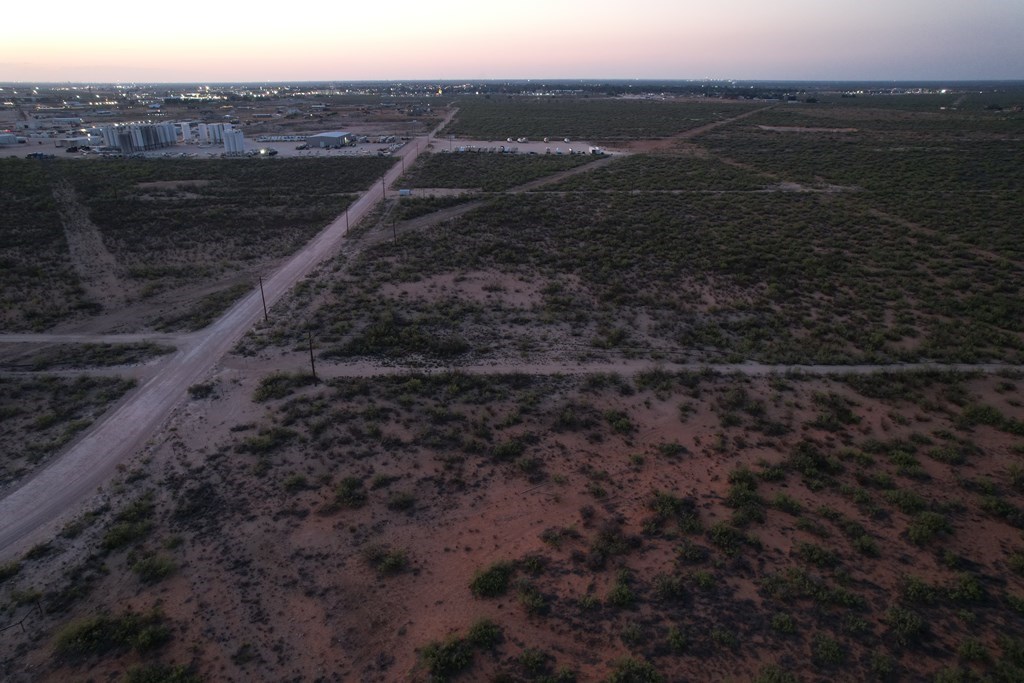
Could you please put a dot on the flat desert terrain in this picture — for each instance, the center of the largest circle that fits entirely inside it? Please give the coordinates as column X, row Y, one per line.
column 741, row 401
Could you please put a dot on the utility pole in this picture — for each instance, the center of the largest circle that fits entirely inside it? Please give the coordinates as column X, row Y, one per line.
column 394, row 230
column 312, row 363
column 266, row 318
column 346, row 220
column 383, row 189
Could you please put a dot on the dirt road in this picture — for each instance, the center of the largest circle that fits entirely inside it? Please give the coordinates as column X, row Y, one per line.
column 35, row 510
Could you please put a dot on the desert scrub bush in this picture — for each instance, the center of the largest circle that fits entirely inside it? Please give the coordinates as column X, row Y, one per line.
column 773, row 674
column 816, row 555
column 621, row 594
column 200, row 391
column 530, row 597
column 9, row 570
column 609, row 542
column 402, row 501
column 98, row 635
column 908, row 502
column 489, row 172
column 132, row 524
column 691, row 553
column 484, row 633
column 666, row 507
column 926, row 526
column 807, row 459
column 556, row 536
column 866, row 546
column 677, row 640
column 966, row 588
column 906, row 627
column 827, row 651
column 493, row 581
column 350, row 493
column 267, row 440
column 575, row 416
column 1000, row 507
column 619, row 422
column 744, row 499
column 972, row 650
column 787, row 504
column 726, row 538
column 162, row 673
column 630, row 670
column 783, row 623
column 534, row 662
column 669, row 588
column 153, row 568
column 658, row 380
column 508, row 450
column 279, row 385
column 386, row 560
column 294, row 483
column 1015, row 560
column 447, row 659
column 835, row 412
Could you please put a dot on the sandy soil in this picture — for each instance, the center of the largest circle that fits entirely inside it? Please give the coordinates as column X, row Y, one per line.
column 271, row 579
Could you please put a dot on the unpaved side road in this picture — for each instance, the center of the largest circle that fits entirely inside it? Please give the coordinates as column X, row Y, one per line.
column 35, row 510
column 95, row 265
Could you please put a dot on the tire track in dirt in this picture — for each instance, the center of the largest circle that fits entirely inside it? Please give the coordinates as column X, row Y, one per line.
column 95, row 265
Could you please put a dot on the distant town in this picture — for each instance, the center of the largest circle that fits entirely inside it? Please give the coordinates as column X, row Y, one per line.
column 189, row 120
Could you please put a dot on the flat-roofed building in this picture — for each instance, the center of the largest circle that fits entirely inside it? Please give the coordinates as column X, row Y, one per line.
column 338, row 138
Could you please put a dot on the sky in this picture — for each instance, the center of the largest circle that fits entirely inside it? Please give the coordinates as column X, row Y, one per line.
column 118, row 41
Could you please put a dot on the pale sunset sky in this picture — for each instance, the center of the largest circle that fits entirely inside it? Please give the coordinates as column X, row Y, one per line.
column 112, row 40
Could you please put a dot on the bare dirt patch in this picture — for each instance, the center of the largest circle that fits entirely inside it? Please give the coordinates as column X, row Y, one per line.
column 482, row 287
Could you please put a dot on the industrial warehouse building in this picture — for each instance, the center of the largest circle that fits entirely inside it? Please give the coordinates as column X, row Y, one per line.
column 338, row 138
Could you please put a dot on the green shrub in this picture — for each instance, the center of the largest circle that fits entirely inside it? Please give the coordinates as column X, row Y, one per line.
column 484, row 634
column 973, row 650
column 905, row 627
column 773, row 674
column 401, row 501
column 787, row 504
column 9, row 570
column 162, row 673
column 531, row 598
column 200, row 391
column 621, row 595
column 294, row 483
column 493, row 581
column 783, row 623
column 153, row 568
column 629, row 670
column 827, row 651
column 449, row 658
column 386, row 560
column 350, row 493
column 102, row 634
column 279, row 385
column 816, row 555
column 926, row 526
